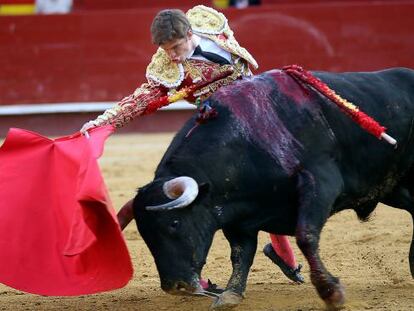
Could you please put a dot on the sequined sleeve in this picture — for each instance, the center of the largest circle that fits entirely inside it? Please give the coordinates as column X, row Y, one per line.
column 131, row 106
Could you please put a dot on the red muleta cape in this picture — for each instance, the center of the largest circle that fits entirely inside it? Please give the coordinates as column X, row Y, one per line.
column 58, row 231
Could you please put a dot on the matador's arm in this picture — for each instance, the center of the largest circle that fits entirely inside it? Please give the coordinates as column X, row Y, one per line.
column 131, row 106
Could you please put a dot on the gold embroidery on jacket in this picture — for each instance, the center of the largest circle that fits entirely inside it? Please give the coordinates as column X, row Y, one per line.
column 195, row 72
column 164, row 71
column 208, row 90
column 206, row 20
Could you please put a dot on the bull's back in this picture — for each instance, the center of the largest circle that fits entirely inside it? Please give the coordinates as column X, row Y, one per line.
column 384, row 95
column 387, row 96
column 367, row 163
column 298, row 127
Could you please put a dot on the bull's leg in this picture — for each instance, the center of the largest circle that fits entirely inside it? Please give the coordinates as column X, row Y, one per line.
column 317, row 193
column 243, row 248
column 402, row 198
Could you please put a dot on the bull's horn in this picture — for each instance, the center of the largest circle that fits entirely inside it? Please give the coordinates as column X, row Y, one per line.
column 182, row 189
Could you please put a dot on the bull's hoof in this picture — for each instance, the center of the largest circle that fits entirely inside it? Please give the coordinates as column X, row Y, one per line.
column 227, row 300
column 336, row 301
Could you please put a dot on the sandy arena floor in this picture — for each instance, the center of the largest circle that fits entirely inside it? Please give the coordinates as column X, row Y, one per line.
column 371, row 258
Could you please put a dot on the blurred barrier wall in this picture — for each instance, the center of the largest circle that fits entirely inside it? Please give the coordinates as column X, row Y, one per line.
column 101, row 55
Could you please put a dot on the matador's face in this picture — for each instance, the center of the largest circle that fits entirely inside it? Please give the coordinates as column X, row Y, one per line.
column 180, row 49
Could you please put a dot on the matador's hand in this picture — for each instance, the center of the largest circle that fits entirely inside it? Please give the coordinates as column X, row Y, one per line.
column 86, row 127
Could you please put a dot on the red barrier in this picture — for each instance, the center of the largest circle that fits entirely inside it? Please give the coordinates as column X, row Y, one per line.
column 79, row 5
column 102, row 56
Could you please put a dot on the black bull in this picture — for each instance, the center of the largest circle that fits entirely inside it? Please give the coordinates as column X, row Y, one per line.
column 278, row 158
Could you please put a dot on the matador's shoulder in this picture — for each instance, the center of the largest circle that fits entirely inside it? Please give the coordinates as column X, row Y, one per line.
column 164, row 71
column 213, row 25
column 208, row 21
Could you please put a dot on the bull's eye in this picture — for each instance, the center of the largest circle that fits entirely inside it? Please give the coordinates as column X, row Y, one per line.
column 174, row 225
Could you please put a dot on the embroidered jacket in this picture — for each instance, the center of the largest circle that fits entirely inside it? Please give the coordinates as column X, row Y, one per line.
column 165, row 77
